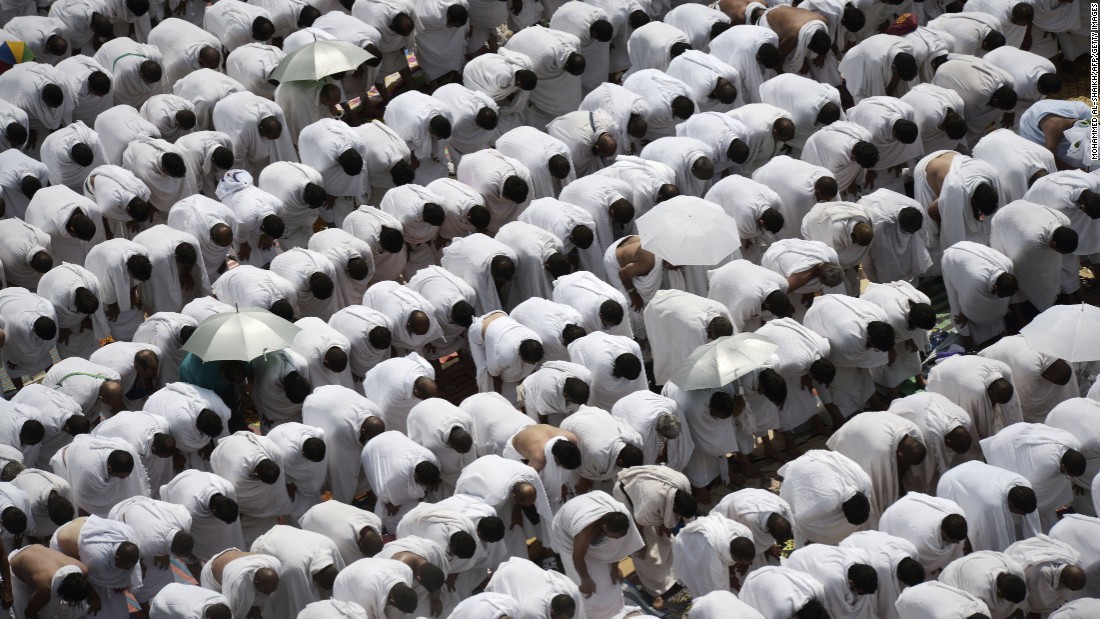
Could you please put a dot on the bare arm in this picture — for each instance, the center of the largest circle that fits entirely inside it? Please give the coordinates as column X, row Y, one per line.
column 580, row 551
column 802, row 278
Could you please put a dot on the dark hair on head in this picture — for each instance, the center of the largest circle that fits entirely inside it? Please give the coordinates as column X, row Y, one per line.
column 139, row 210
column 718, row 28
column 558, row 166
column 702, row 168
column 336, row 359
column 1023, row 12
column 722, row 403
column 457, row 15
column 462, row 545
column 262, row 29
column 575, row 64
column 430, row 576
column 812, row 609
column 738, row 152
column 83, row 227
column 906, row 66
column 402, row 173
column 502, row 268
column 526, row 79
column 314, row 449
column 321, row 285
column 772, row 386
column 1004, row 98
column 403, row 597
column 173, row 165
column 209, row 423
column 41, row 262
column 637, row 19
column 402, row 24
column 864, row 578
column 1011, row 587
column 77, row 424
column 101, row 26
column 433, row 214
column 567, row 454
column 622, row 211
column 558, row 265
column 150, row 71
column 601, row 30
column 16, row 134
column 742, row 549
column 768, row 56
column 357, row 268
column 487, row 118
column 59, row 508
column 865, row 154
column 1074, row 463
column 45, row 328
column 576, row 390
column 985, row 199
column 163, row 443
column 391, row 240
column 993, row 40
column 910, row 572
column 719, row 326
column 611, row 312
column 563, row 605
column 14, row 520
column 350, row 162
column 880, row 335
column 138, row 7
column 637, row 126
column 954, row 527
column 530, row 351
column 1064, row 239
column 683, row 107
column 490, row 529
column 74, row 589
column 772, row 220
column 678, row 48
column 954, row 125
column 616, row 523
column 479, row 217
column 426, row 473
column 827, row 187
column 906, row 131
column 684, row 504
column 52, row 95
column 779, row 304
column 628, row 366
column 440, row 126
column 828, row 114
column 462, row 314
column 222, row 158
column 99, row 83
column 853, row 19
column 82, row 154
column 820, row 42
column 120, row 461
column 267, row 471
column 307, row 16
column 186, row 119
column 922, row 316
column 857, row 509
column 273, row 226
column 1049, row 83
column 127, row 553
column 1006, row 285
column 910, row 219
column 1023, row 499
column 515, row 189
column 571, row 333
column 582, row 236
column 29, row 185
column 182, row 544
column 667, row 191
column 296, row 387
column 224, row 508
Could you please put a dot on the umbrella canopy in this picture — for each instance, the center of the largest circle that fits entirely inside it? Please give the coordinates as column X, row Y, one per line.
column 314, row 61
column 687, row 231
column 240, row 335
column 718, row 363
column 1070, row 332
column 13, row 53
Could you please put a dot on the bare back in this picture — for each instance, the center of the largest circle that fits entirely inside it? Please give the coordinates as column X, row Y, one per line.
column 225, row 559
column 36, row 566
column 530, row 442
column 490, row 318
column 68, row 537
column 937, row 169
column 734, row 9
column 787, row 21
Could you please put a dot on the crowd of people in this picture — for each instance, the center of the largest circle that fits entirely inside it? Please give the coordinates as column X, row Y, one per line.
column 470, row 197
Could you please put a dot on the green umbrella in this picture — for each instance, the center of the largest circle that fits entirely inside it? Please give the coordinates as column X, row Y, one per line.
column 241, row 335
column 719, row 363
column 314, row 61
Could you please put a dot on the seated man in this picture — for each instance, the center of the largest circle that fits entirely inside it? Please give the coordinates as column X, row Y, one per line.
column 246, row 579
column 1000, row 505
column 596, row 532
column 711, row 554
column 935, row 526
column 829, row 497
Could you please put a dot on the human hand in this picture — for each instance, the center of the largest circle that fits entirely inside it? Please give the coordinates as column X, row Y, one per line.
column 112, row 312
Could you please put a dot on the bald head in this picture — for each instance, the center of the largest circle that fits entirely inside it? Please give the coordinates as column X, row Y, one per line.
column 111, row 394
column 524, row 494
column 266, row 580
column 418, row 323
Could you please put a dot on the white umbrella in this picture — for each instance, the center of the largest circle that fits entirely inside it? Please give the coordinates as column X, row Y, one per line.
column 317, row 60
column 1070, row 332
column 688, row 231
column 240, row 335
column 718, row 363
